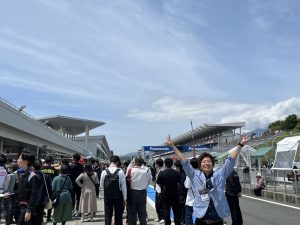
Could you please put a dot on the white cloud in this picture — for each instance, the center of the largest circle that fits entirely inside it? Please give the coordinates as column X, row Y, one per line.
column 255, row 115
column 103, row 58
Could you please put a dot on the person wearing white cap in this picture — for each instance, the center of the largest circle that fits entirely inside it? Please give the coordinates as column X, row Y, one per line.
column 260, row 184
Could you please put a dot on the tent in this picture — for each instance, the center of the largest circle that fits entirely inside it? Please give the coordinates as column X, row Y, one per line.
column 287, row 153
column 246, row 154
column 262, row 152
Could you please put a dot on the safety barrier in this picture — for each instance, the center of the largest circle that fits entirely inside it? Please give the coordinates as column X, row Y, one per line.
column 280, row 185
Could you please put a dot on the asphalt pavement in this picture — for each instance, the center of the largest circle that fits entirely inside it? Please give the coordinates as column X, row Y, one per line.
column 256, row 211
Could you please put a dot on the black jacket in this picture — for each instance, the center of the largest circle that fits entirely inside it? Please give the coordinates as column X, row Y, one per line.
column 233, row 185
column 27, row 190
column 169, row 180
column 76, row 170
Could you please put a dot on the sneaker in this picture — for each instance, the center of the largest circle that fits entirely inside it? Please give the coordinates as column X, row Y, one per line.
column 156, row 220
column 82, row 219
column 162, row 221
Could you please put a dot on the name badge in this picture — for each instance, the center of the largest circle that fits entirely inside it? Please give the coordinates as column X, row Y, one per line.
column 204, row 194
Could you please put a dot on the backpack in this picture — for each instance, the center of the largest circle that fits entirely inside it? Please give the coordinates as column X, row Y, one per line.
column 111, row 185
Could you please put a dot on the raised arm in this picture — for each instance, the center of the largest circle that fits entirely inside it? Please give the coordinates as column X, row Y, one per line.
column 179, row 154
column 236, row 150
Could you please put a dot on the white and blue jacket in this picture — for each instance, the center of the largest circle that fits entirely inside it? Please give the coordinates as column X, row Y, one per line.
column 216, row 194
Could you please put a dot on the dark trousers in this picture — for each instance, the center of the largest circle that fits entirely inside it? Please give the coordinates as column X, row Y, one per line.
column 97, row 189
column 76, row 196
column 236, row 214
column 257, row 191
column 168, row 203
column 14, row 208
column 137, row 206
column 20, row 221
column 182, row 213
column 188, row 215
column 5, row 205
column 49, row 212
column 38, row 220
column 112, row 205
column 200, row 222
column 159, row 206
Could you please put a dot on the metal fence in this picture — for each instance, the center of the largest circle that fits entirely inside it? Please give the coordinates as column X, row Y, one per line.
column 275, row 180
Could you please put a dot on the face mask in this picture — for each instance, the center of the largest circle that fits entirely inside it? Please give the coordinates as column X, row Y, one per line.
column 20, row 171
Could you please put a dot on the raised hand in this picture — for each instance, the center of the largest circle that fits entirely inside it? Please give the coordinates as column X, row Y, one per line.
column 168, row 141
column 245, row 140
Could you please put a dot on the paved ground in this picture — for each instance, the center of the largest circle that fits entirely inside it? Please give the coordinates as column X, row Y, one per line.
column 260, row 211
column 99, row 218
column 256, row 211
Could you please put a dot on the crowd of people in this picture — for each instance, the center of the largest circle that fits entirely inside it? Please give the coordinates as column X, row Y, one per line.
column 31, row 189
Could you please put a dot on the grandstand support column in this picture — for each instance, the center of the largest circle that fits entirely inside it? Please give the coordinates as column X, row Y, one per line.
column 218, row 143
column 37, row 151
column 1, row 146
column 86, row 135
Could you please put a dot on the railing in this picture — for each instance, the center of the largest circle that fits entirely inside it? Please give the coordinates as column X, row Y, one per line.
column 275, row 180
column 41, row 124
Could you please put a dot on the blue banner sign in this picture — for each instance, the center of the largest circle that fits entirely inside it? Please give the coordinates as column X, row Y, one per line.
column 185, row 148
column 157, row 148
column 197, row 148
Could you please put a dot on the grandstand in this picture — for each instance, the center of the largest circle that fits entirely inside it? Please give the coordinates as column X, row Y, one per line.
column 218, row 137
column 48, row 136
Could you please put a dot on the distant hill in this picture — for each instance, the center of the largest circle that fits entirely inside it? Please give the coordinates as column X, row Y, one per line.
column 130, row 154
column 258, row 131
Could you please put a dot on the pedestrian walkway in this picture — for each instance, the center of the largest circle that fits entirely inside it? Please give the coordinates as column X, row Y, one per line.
column 99, row 218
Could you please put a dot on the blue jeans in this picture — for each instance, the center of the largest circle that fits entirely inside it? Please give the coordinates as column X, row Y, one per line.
column 188, row 215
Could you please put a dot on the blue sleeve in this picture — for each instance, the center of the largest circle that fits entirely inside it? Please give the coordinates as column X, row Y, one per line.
column 188, row 169
column 227, row 167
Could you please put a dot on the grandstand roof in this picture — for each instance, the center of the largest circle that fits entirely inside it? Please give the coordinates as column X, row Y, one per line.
column 71, row 125
column 206, row 131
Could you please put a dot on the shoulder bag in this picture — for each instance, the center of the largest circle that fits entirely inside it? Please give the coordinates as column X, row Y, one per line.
column 48, row 205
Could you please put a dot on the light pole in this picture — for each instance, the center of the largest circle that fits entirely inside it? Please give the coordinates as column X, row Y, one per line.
column 22, row 107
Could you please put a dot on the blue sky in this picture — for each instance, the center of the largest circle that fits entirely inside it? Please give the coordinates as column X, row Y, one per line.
column 148, row 68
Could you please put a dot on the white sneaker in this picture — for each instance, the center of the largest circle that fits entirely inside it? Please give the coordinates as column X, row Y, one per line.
column 162, row 221
column 156, row 220
column 82, row 219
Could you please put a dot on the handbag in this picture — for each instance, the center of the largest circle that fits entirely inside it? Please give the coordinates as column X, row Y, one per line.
column 48, row 205
column 56, row 196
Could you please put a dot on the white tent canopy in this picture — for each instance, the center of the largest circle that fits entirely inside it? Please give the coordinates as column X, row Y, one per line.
column 246, row 153
column 287, row 153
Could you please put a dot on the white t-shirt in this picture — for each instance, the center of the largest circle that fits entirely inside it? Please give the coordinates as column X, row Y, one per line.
column 190, row 194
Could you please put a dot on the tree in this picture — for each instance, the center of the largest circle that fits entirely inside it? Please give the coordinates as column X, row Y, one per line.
column 290, row 122
column 277, row 125
column 297, row 127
